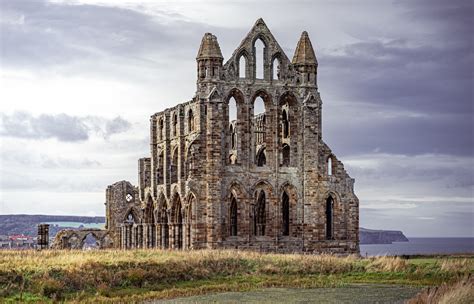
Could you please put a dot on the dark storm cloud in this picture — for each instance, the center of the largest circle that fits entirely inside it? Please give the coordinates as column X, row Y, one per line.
column 426, row 78
column 60, row 126
column 42, row 34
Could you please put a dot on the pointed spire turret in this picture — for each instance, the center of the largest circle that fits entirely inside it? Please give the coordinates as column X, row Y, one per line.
column 305, row 60
column 209, row 47
column 304, row 53
column 209, row 59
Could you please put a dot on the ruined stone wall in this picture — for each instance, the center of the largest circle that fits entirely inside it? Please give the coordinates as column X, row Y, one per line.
column 75, row 239
column 257, row 182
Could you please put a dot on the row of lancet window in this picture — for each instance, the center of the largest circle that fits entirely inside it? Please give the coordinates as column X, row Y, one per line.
column 259, row 48
column 259, row 121
column 173, row 230
column 259, row 215
column 174, row 123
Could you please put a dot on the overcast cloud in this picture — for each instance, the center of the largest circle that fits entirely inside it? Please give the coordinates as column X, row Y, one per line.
column 79, row 80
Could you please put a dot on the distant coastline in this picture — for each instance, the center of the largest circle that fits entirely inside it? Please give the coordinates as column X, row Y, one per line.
column 371, row 236
column 14, row 224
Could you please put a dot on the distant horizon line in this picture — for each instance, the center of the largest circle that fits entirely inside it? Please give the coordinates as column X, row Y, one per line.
column 418, row 236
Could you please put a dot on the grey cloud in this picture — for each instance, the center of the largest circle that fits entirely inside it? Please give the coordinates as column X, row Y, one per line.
column 445, row 219
column 116, row 125
column 424, row 78
column 423, row 175
column 63, row 127
column 31, row 183
column 13, row 158
column 427, row 78
column 42, row 34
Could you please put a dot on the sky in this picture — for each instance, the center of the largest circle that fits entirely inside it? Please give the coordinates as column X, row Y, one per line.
column 80, row 79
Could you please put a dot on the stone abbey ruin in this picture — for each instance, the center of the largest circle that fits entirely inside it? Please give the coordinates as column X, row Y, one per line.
column 241, row 165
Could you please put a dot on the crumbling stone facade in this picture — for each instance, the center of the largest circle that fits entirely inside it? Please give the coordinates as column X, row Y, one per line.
column 263, row 182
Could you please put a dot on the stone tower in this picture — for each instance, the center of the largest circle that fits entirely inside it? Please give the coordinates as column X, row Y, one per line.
column 262, row 180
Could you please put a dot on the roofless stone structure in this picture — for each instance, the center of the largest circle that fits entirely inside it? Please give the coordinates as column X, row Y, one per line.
column 243, row 163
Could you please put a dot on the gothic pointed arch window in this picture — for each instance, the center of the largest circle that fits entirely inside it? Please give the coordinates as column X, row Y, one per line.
column 285, row 124
column 259, row 56
column 175, row 125
column 161, row 129
column 276, row 69
column 188, row 221
column 233, row 216
column 261, row 158
column 329, row 217
column 190, row 121
column 164, row 224
column 259, row 130
column 329, row 165
column 260, row 214
column 243, row 66
column 130, row 218
column 285, row 214
column 177, row 220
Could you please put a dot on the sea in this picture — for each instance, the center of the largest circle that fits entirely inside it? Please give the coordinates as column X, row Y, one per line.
column 421, row 246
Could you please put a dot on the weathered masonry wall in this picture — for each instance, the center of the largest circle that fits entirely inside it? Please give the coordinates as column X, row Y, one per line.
column 243, row 163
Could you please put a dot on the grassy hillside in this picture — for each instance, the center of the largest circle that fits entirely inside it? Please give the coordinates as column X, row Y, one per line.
column 107, row 276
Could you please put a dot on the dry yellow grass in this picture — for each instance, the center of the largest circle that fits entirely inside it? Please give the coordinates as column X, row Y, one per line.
column 457, row 265
column 91, row 275
column 460, row 292
column 387, row 264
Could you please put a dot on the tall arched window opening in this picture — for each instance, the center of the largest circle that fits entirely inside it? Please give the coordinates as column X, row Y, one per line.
column 329, row 217
column 175, row 125
column 259, row 48
column 261, row 158
column 242, row 67
column 159, row 169
column 178, row 224
column 260, row 215
column 190, row 121
column 233, row 217
column 276, row 69
column 150, row 222
column 285, row 213
column 259, row 126
column 285, row 124
column 164, row 226
column 233, row 123
column 329, row 166
column 161, row 130
column 174, row 166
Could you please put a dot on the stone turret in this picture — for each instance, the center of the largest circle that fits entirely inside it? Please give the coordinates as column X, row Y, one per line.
column 209, row 59
column 305, row 61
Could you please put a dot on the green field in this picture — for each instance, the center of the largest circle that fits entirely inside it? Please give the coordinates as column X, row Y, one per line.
column 151, row 275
